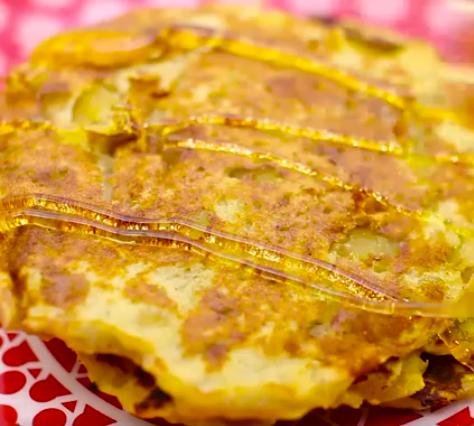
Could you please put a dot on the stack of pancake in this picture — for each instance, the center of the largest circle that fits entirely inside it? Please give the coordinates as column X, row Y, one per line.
column 235, row 215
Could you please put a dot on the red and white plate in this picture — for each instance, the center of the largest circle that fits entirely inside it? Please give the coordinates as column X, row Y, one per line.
column 43, row 384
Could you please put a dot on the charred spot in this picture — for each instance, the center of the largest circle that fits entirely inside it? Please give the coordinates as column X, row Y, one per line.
column 442, row 380
column 312, row 192
column 144, row 378
column 261, row 174
column 379, row 369
column 382, row 368
column 467, row 273
column 171, row 157
column 155, row 399
column 19, row 284
column 127, row 366
column 361, row 378
column 371, row 40
column 160, row 93
column 440, row 368
column 327, row 20
column 292, row 347
column 122, row 363
column 238, row 172
column 108, row 144
column 400, row 128
column 428, row 397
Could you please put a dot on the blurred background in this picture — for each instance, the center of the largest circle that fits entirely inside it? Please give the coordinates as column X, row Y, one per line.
column 448, row 23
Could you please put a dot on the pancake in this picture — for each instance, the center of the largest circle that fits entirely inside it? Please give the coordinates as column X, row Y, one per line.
column 240, row 216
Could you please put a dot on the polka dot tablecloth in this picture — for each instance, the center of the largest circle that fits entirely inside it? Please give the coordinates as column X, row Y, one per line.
column 42, row 383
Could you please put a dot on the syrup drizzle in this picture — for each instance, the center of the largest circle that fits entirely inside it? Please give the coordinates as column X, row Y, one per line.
column 66, row 210
column 188, row 37
column 318, row 135
column 331, row 282
column 325, row 280
column 235, row 149
column 7, row 127
column 167, row 128
column 267, row 125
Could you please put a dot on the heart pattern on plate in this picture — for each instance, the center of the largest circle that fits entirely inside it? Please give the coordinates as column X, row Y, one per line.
column 43, row 384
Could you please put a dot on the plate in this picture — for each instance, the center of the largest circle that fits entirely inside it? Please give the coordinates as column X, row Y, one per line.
column 43, row 384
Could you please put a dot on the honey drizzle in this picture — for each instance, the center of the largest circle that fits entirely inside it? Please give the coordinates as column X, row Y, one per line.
column 188, row 37
column 58, row 213
column 264, row 125
column 191, row 37
column 168, row 128
column 319, row 135
column 235, row 149
column 267, row 125
column 68, row 215
column 48, row 204
column 7, row 127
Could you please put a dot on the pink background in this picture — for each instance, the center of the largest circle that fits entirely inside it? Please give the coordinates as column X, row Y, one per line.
column 24, row 23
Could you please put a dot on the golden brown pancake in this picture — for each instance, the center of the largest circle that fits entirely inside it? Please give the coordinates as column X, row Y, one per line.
column 235, row 215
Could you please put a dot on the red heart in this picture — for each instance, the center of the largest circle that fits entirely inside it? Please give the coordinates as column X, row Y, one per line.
column 47, row 389
column 49, row 417
column 19, row 355
column 90, row 416
column 11, row 382
column 461, row 418
column 65, row 356
column 8, row 415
